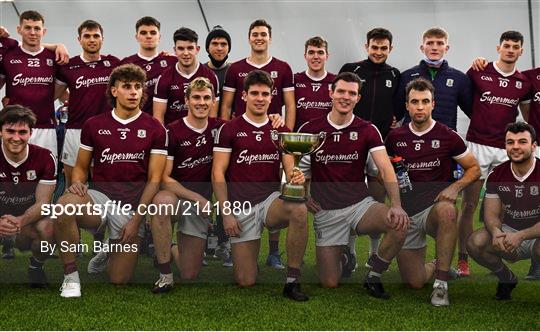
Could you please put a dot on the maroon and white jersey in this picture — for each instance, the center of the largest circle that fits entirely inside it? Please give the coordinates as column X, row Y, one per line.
column 190, row 149
column 29, row 80
column 495, row 103
column 18, row 181
column 534, row 116
column 312, row 96
column 337, row 168
column 520, row 196
column 253, row 172
column 87, row 83
column 172, row 86
column 280, row 71
column 121, row 151
column 153, row 67
column 428, row 156
column 6, row 44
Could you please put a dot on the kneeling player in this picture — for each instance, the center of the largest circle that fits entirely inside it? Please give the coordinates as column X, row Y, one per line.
column 428, row 148
column 27, row 181
column 512, row 191
column 246, row 179
column 128, row 149
column 339, row 197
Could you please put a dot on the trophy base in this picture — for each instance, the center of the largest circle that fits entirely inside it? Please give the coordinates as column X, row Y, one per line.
column 293, row 193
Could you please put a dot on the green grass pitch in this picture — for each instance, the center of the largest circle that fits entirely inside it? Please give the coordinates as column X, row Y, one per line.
column 215, row 303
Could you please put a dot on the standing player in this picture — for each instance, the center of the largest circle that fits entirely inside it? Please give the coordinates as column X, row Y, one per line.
column 86, row 77
column 312, row 86
column 428, row 148
column 169, row 94
column 29, row 71
column 27, row 181
column 377, row 103
column 512, row 212
column 452, row 87
column 339, row 198
column 498, row 90
column 246, row 177
column 128, row 148
column 148, row 56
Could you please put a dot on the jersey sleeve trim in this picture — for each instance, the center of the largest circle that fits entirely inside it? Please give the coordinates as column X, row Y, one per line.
column 86, row 147
column 462, row 155
column 51, row 182
column 377, row 148
column 226, row 88
column 291, row 88
column 160, row 100
column 218, row 149
column 171, row 158
column 158, row 151
column 492, row 195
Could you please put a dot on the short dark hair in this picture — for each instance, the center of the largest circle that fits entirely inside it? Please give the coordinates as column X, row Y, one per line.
column 419, row 84
column 258, row 77
column 199, row 83
column 379, row 33
column 125, row 73
column 511, row 35
column 435, row 32
column 89, row 25
column 347, row 77
column 520, row 127
column 147, row 20
column 185, row 34
column 31, row 15
column 14, row 114
column 260, row 23
column 316, row 42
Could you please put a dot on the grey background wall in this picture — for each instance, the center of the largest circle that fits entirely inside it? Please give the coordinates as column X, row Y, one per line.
column 474, row 26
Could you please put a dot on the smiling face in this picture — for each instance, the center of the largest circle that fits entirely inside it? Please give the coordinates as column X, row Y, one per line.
column 218, row 48
column 519, row 146
column 259, row 39
column 91, row 40
column 378, row 50
column 316, row 58
column 344, row 96
column 186, row 52
column 258, row 98
column 15, row 137
column 199, row 103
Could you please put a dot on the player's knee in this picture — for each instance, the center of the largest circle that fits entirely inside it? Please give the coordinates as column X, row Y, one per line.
column 245, row 281
column 119, row 280
column 415, row 284
column 468, row 207
column 329, row 282
column 476, row 242
column 189, row 275
column 45, row 231
column 447, row 212
column 164, row 197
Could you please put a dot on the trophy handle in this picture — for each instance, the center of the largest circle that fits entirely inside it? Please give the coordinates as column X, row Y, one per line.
column 322, row 140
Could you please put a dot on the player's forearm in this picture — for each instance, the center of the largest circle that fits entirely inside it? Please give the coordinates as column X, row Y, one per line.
column 290, row 114
column 79, row 175
column 226, row 105
column 470, row 175
column 532, row 232
column 493, row 224
column 150, row 190
column 32, row 214
column 219, row 186
column 391, row 186
column 179, row 190
column 288, row 165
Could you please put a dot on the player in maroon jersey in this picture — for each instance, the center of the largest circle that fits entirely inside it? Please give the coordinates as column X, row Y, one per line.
column 86, row 77
column 428, row 148
column 246, row 178
column 29, row 71
column 128, row 149
column 148, row 57
column 169, row 94
column 339, row 198
column 312, row 86
column 512, row 210
column 498, row 90
column 27, row 181
column 232, row 104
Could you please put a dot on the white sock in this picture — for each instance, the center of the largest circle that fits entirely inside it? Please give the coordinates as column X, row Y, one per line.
column 352, row 244
column 289, row 280
column 373, row 246
column 73, row 276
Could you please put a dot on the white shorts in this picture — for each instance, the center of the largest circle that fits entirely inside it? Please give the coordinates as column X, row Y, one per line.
column 416, row 234
column 524, row 251
column 46, row 138
column 72, row 141
column 115, row 221
column 193, row 224
column 333, row 227
column 252, row 224
column 488, row 157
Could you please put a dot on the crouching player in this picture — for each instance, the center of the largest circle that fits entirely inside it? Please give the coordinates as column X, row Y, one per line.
column 339, row 197
column 246, row 178
column 512, row 192
column 428, row 148
column 128, row 149
column 27, row 181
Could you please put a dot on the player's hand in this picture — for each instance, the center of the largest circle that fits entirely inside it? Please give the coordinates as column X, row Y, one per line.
column 498, row 240
column 231, row 226
column 277, row 120
column 15, row 221
column 4, row 33
column 297, row 176
column 61, row 53
column 512, row 241
column 164, row 53
column 78, row 188
column 397, row 219
column 479, row 64
column 5, row 101
column 129, row 232
column 7, row 228
column 313, row 206
column 448, row 194
column 204, row 205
